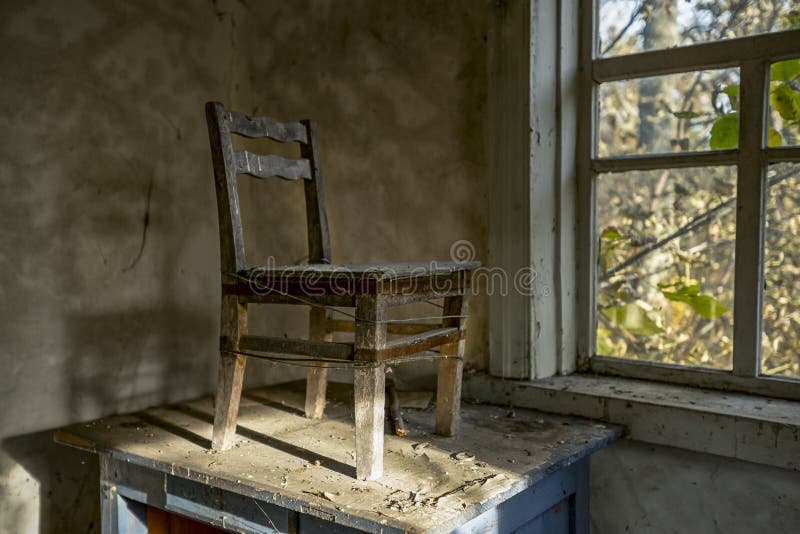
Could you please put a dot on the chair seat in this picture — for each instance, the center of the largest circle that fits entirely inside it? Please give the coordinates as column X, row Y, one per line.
column 360, row 271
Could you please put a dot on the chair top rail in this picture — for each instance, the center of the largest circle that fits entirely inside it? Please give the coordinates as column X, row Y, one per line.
column 255, row 127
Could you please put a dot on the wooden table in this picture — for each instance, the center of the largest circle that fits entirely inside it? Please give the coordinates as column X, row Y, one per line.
column 505, row 470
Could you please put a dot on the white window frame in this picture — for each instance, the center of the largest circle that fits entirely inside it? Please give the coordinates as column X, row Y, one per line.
column 753, row 56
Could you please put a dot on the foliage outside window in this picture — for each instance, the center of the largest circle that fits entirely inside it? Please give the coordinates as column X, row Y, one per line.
column 666, row 237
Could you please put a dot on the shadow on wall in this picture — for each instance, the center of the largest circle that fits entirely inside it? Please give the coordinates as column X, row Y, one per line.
column 68, row 481
column 128, row 361
column 117, row 362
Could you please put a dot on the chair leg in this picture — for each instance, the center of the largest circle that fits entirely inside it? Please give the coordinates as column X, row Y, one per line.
column 448, row 381
column 316, row 386
column 229, row 391
column 231, row 373
column 317, row 377
column 369, row 387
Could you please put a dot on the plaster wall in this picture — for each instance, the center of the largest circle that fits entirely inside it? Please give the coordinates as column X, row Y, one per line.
column 650, row 489
column 109, row 247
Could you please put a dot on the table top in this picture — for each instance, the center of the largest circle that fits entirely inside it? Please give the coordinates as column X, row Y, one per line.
column 430, row 483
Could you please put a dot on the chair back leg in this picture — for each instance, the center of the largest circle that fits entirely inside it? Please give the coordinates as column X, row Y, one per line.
column 231, row 372
column 448, row 380
column 317, row 378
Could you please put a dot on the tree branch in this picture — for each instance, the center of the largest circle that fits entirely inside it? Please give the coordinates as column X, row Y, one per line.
column 624, row 29
column 700, row 220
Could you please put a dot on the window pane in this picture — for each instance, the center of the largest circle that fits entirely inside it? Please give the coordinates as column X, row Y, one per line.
column 784, row 103
column 679, row 112
column 665, row 276
column 631, row 26
column 781, row 337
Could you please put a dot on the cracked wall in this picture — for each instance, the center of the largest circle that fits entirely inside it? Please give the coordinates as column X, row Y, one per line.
column 109, row 246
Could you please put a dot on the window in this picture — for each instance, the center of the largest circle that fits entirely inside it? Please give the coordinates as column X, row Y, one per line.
column 689, row 192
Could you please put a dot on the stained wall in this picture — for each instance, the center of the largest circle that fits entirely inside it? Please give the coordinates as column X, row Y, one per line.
column 109, row 246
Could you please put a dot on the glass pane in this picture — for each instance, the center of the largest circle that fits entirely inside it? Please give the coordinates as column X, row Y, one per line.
column 630, row 26
column 784, row 103
column 780, row 348
column 679, row 112
column 665, row 276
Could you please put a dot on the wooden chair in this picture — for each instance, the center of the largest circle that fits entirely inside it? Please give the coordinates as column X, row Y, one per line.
column 369, row 288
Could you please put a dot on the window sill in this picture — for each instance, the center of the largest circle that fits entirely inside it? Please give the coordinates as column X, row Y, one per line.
column 746, row 427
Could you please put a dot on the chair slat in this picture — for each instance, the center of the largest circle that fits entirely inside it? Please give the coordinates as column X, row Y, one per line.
column 392, row 328
column 255, row 127
column 413, row 344
column 262, row 166
column 302, row 347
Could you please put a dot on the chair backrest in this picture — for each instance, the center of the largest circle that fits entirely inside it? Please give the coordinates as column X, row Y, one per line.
column 228, row 163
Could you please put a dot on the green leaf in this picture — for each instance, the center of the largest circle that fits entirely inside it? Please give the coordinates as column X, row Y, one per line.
column 632, row 318
column 611, row 234
column 774, row 138
column 732, row 91
column 783, row 71
column 725, row 132
column 688, row 291
column 683, row 294
column 686, row 114
column 786, row 101
column 733, row 95
column 707, row 306
column 792, row 20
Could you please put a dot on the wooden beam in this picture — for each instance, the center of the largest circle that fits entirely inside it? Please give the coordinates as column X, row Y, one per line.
column 567, row 108
column 509, row 133
column 533, row 99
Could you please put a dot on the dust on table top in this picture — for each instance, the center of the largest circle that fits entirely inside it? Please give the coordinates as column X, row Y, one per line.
column 430, row 483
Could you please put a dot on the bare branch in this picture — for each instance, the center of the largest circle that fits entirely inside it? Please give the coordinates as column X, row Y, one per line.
column 700, row 220
column 624, row 30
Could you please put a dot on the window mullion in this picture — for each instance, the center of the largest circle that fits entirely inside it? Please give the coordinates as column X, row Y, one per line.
column 750, row 211
column 586, row 257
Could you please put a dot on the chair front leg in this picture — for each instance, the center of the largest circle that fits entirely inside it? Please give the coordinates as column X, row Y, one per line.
column 231, row 373
column 369, row 386
column 448, row 380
